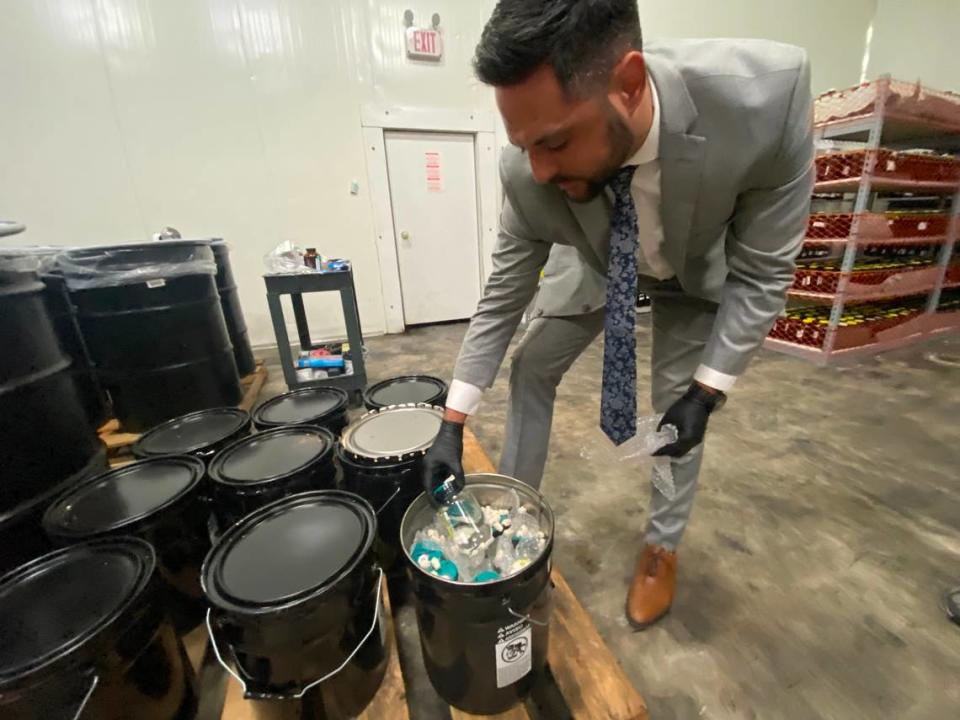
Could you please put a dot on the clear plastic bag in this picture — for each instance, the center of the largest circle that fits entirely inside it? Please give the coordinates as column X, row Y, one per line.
column 154, row 262
column 30, row 258
column 286, row 258
column 639, row 450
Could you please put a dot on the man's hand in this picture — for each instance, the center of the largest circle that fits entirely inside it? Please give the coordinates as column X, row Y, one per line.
column 689, row 415
column 444, row 458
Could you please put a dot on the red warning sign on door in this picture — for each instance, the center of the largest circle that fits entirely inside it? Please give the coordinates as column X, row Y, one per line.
column 434, row 183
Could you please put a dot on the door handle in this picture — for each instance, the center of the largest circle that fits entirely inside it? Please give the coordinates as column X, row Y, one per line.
column 404, row 235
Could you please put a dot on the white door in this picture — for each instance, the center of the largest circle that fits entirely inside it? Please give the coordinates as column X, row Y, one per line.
column 433, row 190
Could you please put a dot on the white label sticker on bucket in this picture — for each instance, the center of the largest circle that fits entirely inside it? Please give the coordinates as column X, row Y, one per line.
column 514, row 652
column 159, row 282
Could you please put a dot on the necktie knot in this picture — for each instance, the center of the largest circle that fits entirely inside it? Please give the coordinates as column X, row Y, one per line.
column 620, row 182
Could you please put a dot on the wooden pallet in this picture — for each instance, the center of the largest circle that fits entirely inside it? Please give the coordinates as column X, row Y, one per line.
column 118, row 443
column 584, row 674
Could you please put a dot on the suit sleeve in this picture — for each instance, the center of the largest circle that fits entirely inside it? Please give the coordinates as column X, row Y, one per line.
column 517, row 260
column 763, row 240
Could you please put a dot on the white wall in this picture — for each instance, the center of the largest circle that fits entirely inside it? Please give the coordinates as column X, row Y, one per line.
column 241, row 118
column 832, row 31
column 238, row 118
column 917, row 40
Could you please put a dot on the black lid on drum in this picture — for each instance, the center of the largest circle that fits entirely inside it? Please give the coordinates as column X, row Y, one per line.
column 405, row 389
column 271, row 455
column 193, row 432
column 305, row 406
column 55, row 605
column 118, row 499
column 393, row 432
column 290, row 550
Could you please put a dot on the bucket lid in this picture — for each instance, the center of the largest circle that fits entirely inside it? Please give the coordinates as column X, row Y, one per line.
column 393, row 433
column 301, row 406
column 120, row 498
column 112, row 265
column 405, row 389
column 323, row 535
column 271, row 455
column 192, row 432
column 53, row 606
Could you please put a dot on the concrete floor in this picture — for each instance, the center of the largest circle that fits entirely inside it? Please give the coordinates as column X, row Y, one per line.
column 825, row 529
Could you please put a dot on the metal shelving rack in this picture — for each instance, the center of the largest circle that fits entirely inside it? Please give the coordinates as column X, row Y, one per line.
column 879, row 116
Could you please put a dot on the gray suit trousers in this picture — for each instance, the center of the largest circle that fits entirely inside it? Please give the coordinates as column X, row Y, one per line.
column 681, row 327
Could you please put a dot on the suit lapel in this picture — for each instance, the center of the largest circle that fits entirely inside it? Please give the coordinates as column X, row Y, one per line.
column 681, row 159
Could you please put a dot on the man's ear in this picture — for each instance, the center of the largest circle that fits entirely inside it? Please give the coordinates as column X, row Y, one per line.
column 628, row 81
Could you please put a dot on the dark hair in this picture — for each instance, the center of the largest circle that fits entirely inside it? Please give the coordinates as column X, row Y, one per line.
column 580, row 39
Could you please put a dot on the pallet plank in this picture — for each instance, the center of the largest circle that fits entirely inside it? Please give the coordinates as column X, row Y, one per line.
column 475, row 459
column 517, row 713
column 590, row 678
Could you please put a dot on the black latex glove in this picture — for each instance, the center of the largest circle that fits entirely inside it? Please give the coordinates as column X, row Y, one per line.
column 443, row 459
column 689, row 415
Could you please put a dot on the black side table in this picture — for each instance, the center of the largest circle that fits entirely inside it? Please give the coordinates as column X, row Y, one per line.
column 294, row 285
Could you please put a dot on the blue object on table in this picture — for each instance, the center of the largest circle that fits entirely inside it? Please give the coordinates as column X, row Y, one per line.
column 320, row 362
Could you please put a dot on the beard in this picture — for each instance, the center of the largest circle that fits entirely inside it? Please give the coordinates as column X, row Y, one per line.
column 621, row 143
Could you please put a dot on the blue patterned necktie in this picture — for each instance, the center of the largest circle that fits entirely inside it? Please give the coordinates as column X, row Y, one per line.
column 618, row 397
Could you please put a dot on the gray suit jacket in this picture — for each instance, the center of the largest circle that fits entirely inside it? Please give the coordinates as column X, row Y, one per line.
column 736, row 168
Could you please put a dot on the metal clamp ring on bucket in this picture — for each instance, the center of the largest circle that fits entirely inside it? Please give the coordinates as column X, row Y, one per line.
column 86, row 698
column 523, row 617
column 306, row 689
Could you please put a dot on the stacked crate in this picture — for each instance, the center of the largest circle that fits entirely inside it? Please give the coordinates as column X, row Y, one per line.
column 879, row 262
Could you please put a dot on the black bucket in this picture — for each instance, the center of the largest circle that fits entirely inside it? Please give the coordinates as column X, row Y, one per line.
column 45, row 433
column 21, row 527
column 232, row 312
column 322, row 406
column 381, row 456
column 295, row 604
column 268, row 466
column 157, row 500
column 406, row 389
column 42, row 259
column 484, row 644
column 153, row 324
column 202, row 434
column 84, row 637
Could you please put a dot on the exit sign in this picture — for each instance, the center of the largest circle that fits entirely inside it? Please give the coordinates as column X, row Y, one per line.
column 424, row 44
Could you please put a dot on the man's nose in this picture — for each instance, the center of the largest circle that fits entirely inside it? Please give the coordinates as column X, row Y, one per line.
column 542, row 168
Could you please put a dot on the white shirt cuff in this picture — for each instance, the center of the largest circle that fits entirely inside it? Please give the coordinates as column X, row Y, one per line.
column 715, row 379
column 464, row 397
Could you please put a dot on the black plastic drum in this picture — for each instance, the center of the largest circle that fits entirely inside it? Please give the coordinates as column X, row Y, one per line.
column 232, row 312
column 202, row 434
column 83, row 636
column 153, row 324
column 158, row 500
column 268, row 466
column 381, row 456
column 295, row 597
column 406, row 389
column 322, row 406
column 484, row 644
column 45, row 433
column 42, row 259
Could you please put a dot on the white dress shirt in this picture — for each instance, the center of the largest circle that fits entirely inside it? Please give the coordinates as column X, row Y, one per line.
column 645, row 189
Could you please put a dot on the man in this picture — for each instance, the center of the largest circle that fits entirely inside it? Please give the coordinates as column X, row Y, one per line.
column 682, row 171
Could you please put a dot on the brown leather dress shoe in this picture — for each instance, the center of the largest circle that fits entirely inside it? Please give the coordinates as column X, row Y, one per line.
column 652, row 588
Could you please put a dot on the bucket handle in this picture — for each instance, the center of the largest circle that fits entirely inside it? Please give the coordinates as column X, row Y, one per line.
column 389, row 500
column 301, row 693
column 523, row 617
column 86, row 698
